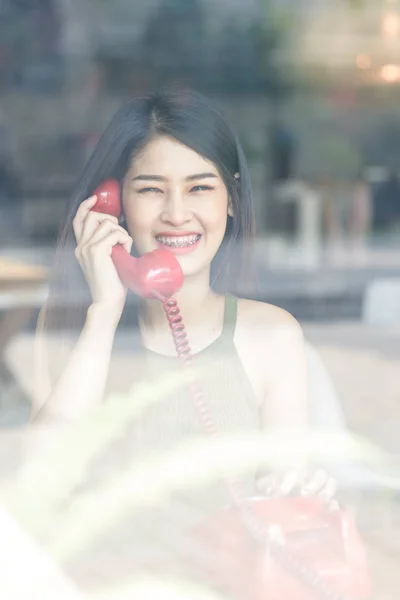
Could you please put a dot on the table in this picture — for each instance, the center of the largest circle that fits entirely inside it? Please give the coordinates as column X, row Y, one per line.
column 23, row 289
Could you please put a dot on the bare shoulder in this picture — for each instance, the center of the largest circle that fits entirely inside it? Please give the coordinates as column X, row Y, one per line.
column 260, row 316
column 270, row 344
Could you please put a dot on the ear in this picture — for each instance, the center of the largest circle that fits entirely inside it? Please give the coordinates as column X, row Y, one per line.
column 230, row 208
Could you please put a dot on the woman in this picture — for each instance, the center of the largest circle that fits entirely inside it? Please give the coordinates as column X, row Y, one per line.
column 185, row 186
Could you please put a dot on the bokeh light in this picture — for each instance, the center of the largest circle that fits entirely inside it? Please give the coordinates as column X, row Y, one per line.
column 363, row 61
column 390, row 73
column 390, row 24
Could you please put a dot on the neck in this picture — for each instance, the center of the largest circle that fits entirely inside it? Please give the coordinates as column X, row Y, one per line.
column 194, row 298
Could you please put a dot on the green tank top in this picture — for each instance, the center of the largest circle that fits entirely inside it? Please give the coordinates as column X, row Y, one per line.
column 225, row 384
column 154, row 537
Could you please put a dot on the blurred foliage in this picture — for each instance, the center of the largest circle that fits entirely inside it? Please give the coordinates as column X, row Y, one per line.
column 337, row 157
column 235, row 57
column 272, row 33
column 356, row 3
column 181, row 46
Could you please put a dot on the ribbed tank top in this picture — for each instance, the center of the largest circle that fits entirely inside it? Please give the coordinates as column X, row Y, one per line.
column 156, row 534
column 225, row 384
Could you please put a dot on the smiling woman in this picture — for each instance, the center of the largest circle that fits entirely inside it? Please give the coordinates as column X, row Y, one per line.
column 185, row 186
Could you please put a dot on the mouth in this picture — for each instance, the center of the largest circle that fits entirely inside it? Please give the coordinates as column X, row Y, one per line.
column 179, row 244
column 178, row 241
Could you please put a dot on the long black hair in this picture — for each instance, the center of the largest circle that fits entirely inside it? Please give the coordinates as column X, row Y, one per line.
column 192, row 120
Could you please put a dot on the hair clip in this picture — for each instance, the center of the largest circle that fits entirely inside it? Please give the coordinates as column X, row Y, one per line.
column 237, row 175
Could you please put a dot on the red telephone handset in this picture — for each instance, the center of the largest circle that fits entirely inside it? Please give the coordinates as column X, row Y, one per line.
column 157, row 271
column 321, row 555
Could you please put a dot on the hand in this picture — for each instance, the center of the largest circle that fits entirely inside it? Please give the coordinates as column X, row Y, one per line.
column 96, row 234
column 317, row 484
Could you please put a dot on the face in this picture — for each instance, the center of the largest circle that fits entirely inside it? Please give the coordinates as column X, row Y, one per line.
column 174, row 198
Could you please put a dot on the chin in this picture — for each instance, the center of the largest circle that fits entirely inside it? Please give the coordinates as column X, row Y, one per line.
column 193, row 266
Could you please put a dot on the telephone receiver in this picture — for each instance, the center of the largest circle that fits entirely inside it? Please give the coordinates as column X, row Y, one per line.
column 155, row 274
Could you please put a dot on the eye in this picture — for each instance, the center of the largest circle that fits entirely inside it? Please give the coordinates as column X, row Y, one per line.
column 201, row 188
column 151, row 190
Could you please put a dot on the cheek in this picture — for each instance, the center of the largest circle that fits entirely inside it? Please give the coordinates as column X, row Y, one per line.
column 139, row 224
column 215, row 217
column 139, row 216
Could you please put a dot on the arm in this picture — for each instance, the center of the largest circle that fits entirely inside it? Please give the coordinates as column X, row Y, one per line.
column 285, row 410
column 285, row 405
column 271, row 348
column 81, row 385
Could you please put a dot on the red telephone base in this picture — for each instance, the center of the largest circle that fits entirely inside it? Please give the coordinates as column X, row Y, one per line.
column 326, row 543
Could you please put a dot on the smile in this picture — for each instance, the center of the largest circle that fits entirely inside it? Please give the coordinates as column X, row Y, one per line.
column 178, row 241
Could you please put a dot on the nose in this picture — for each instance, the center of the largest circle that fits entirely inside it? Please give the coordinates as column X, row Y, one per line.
column 175, row 211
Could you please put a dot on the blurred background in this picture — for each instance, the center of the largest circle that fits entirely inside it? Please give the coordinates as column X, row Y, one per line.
column 313, row 90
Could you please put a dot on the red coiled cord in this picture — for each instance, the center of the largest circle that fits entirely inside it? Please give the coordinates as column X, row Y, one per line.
column 184, row 354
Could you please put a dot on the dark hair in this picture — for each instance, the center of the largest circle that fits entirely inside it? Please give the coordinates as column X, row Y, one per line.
column 192, row 120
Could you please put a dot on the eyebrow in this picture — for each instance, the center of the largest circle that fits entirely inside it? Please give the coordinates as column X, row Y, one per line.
column 160, row 178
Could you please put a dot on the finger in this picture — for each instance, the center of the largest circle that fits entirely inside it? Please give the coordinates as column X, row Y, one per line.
column 267, row 485
column 275, row 486
column 333, row 505
column 109, row 241
column 329, row 489
column 315, row 484
column 91, row 224
column 288, row 483
column 81, row 215
column 106, row 227
column 128, row 245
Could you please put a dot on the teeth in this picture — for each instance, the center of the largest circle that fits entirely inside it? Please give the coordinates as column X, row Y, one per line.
column 178, row 242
